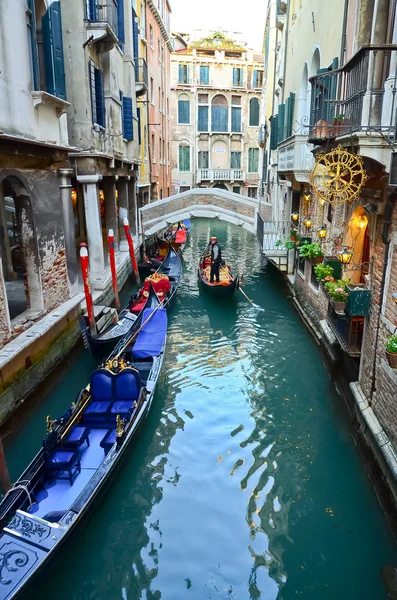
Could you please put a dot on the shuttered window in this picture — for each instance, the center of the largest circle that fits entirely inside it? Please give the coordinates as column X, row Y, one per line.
column 235, row 160
column 33, row 45
column 128, row 123
column 138, row 110
column 184, row 112
column 280, row 123
column 92, row 8
column 273, row 132
column 257, row 79
column 236, row 119
column 254, row 112
column 183, row 74
column 120, row 22
column 289, row 115
column 53, row 51
column 219, row 114
column 202, row 118
column 135, row 33
column 184, row 158
column 203, row 159
column 97, row 89
column 237, row 77
column 204, row 75
column 253, row 160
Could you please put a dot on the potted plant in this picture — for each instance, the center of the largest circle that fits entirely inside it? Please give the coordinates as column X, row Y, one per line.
column 339, row 297
column 324, row 273
column 312, row 252
column 338, row 123
column 391, row 351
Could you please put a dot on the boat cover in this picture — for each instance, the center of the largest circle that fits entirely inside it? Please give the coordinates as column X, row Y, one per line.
column 180, row 237
column 187, row 223
column 152, row 337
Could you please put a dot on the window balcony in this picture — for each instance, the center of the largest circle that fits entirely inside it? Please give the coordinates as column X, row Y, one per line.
column 294, row 155
column 141, row 77
column 359, row 97
column 220, row 175
column 102, row 24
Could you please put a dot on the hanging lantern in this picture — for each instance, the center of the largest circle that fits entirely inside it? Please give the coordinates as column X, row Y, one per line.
column 307, row 195
column 308, row 222
column 322, row 232
column 295, row 217
column 345, row 256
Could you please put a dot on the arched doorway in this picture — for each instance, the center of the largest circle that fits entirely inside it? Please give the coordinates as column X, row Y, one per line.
column 220, row 186
column 18, row 247
column 357, row 240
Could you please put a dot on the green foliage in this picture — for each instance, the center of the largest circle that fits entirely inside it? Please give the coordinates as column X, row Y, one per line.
column 324, row 273
column 291, row 243
column 391, row 344
column 337, row 289
column 310, row 251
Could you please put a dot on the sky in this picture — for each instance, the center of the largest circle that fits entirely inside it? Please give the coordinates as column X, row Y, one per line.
column 246, row 17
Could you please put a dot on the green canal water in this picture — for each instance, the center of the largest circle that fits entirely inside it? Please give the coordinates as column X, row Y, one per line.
column 244, row 482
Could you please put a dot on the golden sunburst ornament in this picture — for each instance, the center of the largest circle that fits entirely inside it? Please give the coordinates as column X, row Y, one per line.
column 338, row 176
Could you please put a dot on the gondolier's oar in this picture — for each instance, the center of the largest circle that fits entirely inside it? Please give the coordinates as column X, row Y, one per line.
column 128, row 342
column 240, row 288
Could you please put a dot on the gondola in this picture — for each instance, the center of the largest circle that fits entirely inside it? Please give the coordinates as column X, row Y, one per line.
column 81, row 452
column 227, row 286
column 157, row 249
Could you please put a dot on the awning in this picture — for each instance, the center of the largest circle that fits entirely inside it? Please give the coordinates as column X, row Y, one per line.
column 152, row 337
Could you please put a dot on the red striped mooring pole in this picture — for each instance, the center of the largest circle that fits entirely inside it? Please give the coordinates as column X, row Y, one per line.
column 113, row 268
column 132, row 252
column 87, row 287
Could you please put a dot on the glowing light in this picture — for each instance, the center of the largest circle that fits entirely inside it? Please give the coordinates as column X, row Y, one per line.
column 295, row 216
column 345, row 256
column 307, row 195
column 74, row 196
column 362, row 222
column 322, row 232
column 308, row 222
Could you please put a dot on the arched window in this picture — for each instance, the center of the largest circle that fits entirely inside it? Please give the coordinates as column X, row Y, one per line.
column 184, row 157
column 183, row 109
column 254, row 112
column 219, row 114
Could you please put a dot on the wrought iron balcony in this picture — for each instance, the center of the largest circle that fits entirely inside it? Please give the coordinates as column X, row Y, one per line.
column 141, row 76
column 220, row 175
column 102, row 24
column 358, row 97
column 348, row 331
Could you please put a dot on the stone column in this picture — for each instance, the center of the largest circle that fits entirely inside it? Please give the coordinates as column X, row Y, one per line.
column 68, row 231
column 112, row 220
column 94, row 228
column 122, row 188
column 133, row 204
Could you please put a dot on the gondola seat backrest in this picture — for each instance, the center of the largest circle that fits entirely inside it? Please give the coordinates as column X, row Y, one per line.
column 101, row 385
column 128, row 385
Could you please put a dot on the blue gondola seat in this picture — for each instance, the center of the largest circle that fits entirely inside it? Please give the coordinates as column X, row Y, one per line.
column 63, row 461
column 108, row 441
column 76, row 437
column 101, row 387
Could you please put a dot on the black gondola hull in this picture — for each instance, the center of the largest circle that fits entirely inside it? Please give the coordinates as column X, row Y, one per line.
column 219, row 291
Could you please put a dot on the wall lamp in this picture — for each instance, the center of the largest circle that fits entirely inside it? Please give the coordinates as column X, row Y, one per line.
column 307, row 195
column 308, row 222
column 345, row 256
column 295, row 217
column 322, row 232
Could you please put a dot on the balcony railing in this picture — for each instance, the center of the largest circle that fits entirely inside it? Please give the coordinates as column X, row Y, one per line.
column 295, row 155
column 141, row 76
column 275, row 233
column 103, row 11
column 348, row 330
column 221, row 175
column 360, row 96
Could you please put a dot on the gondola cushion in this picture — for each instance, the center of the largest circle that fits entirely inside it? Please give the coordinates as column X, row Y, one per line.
column 123, row 408
column 108, row 441
column 138, row 307
column 128, row 384
column 101, row 385
column 77, row 436
column 96, row 411
column 61, row 458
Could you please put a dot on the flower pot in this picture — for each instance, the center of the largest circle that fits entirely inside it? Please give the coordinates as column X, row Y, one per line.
column 316, row 261
column 392, row 359
column 339, row 307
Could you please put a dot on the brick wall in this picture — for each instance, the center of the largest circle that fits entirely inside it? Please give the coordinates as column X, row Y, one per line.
column 314, row 301
column 54, row 280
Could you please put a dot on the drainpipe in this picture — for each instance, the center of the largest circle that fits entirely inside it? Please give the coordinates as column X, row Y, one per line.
column 344, row 35
column 385, row 239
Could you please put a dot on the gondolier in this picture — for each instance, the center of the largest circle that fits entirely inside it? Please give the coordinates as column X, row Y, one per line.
column 216, row 259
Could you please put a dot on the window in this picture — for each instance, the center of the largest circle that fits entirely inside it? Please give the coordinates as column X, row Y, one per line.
column 164, row 158
column 168, row 108
column 97, row 95
column 204, row 75
column 143, row 21
column 160, row 150
column 257, row 79
column 153, row 148
column 162, row 102
column 184, row 157
column 253, row 160
column 159, row 103
column 135, row 41
column 236, row 119
column 301, row 264
column 183, row 74
column 219, row 114
column 252, row 192
column 202, row 118
column 159, row 49
column 235, row 160
column 128, row 123
column 120, row 22
column 203, row 159
column 236, row 189
column 151, row 39
column 152, row 90
column 237, row 77
column 138, row 111
column 168, row 156
column 254, row 112
column 184, row 110
column 47, row 59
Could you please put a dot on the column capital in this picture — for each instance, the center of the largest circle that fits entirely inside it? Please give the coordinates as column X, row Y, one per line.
column 88, row 178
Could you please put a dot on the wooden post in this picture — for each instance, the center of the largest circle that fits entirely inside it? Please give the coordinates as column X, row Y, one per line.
column 113, row 268
column 5, row 481
column 132, row 252
column 87, row 287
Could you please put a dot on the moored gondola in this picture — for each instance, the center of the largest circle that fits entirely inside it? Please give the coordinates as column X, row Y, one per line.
column 154, row 252
column 80, row 454
column 227, row 286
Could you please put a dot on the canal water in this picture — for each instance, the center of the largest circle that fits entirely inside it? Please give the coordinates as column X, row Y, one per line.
column 244, row 482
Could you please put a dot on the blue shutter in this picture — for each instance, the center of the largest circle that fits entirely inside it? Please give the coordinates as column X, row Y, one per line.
column 100, row 98
column 280, row 122
column 138, row 110
column 120, row 21
column 136, row 43
column 128, row 125
column 92, row 10
column 236, row 119
column 254, row 112
column 33, row 43
column 91, row 68
column 219, row 118
column 203, row 118
column 53, row 51
column 204, row 75
column 184, row 112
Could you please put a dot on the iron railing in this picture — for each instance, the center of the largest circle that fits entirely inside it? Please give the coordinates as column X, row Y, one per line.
column 275, row 234
column 104, row 11
column 348, row 330
column 360, row 96
column 141, row 71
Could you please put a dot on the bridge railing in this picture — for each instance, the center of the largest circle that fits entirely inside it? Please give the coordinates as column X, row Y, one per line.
column 275, row 234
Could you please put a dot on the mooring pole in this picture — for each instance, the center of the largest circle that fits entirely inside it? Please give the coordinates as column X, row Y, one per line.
column 87, row 287
column 132, row 252
column 5, row 481
column 113, row 268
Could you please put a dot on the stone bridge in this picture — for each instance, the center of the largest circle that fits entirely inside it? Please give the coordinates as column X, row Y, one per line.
column 200, row 202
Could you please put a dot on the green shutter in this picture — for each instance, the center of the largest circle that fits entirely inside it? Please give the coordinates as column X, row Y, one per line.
column 53, row 51
column 281, row 116
column 184, row 158
column 286, row 118
column 289, row 115
column 273, row 132
column 33, row 44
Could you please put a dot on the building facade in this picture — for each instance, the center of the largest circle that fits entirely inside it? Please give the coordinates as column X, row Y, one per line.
column 331, row 181
column 159, row 47
column 215, row 111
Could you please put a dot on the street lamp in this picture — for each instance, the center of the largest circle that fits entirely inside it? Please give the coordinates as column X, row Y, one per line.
column 345, row 256
column 295, row 217
column 308, row 222
column 322, row 232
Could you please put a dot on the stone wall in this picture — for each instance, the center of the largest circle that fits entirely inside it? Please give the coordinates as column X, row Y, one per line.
column 311, row 298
